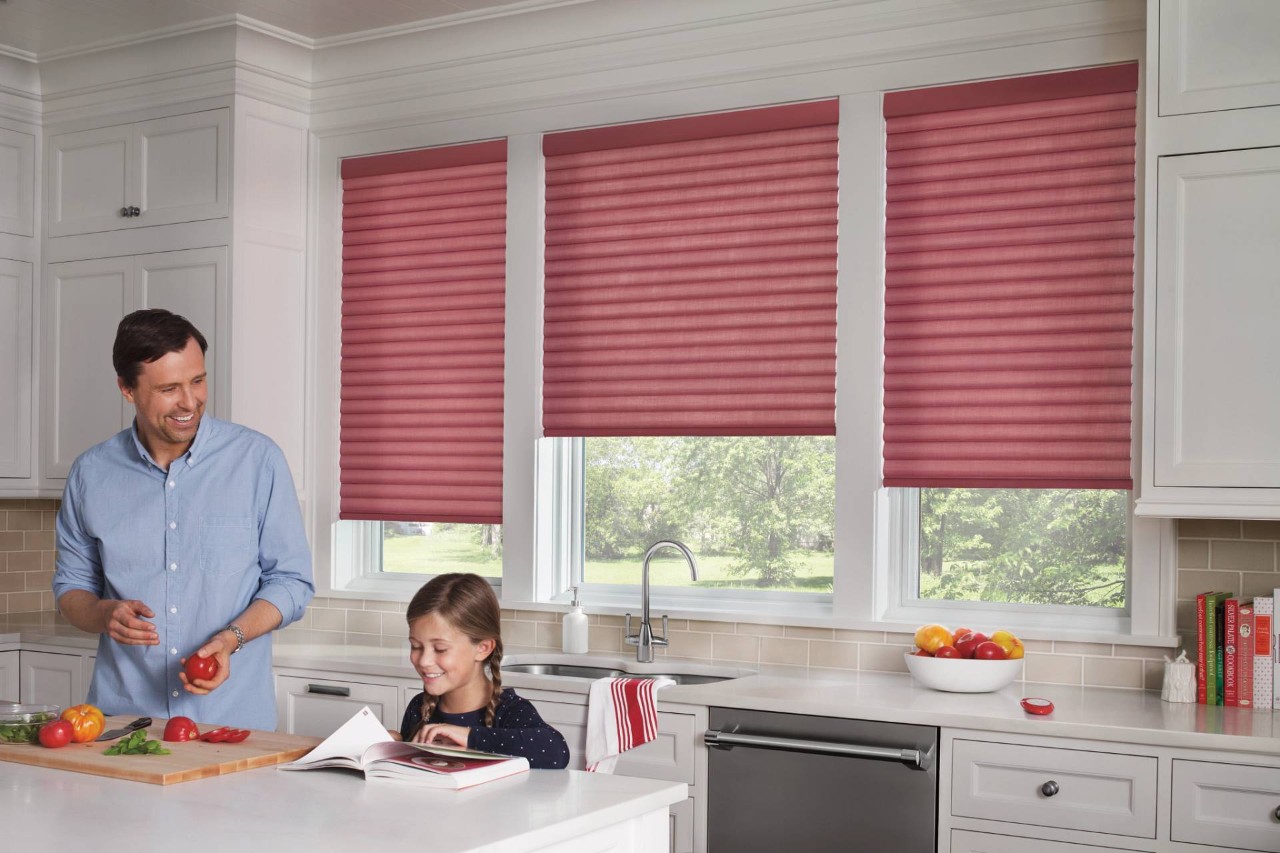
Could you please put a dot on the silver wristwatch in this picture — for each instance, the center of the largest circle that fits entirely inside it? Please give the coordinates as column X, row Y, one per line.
column 235, row 629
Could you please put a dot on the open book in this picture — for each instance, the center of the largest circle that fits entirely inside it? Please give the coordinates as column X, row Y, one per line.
column 361, row 743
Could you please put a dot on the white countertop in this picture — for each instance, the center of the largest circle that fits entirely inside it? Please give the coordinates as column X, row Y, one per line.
column 1097, row 713
column 321, row 810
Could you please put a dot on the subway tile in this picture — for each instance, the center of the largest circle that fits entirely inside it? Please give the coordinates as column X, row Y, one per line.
column 537, row 616
column 13, row 582
column 43, row 504
column 736, row 647
column 4, row 561
column 345, row 603
column 672, row 624
column 38, row 580
column 1243, row 556
column 882, row 658
column 1191, row 583
column 24, row 520
column 364, row 622
column 833, row 655
column 324, row 619
column 1053, row 669
column 1262, row 530
column 24, row 561
column 802, row 632
column 713, row 627
column 4, row 603
column 843, row 635
column 1156, row 653
column 386, row 606
column 549, row 635
column 611, row 621
column 1113, row 672
column 26, row 602
column 1152, row 674
column 758, row 630
column 1193, row 553
column 1037, row 645
column 1062, row 647
column 48, row 560
column 11, row 540
column 1208, row 528
column 689, row 644
column 784, row 651
column 48, row 521
column 1258, row 583
column 515, row 633
column 1185, row 619
column 603, row 638
column 39, row 540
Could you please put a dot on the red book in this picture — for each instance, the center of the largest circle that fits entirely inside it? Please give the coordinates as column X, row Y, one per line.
column 1230, row 639
column 1202, row 671
column 1244, row 657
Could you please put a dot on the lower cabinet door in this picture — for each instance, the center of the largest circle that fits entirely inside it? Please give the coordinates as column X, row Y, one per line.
column 963, row 841
column 9, row 677
column 1236, row 806
column 46, row 678
column 318, row 706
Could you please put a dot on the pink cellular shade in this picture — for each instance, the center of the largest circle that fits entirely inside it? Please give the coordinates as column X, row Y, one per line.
column 690, row 275
column 423, row 319
column 1009, row 282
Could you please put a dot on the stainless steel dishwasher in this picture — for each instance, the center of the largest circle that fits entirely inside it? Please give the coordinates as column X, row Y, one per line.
column 802, row 784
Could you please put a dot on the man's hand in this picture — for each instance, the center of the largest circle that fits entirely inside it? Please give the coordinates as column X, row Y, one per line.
column 125, row 623
column 220, row 650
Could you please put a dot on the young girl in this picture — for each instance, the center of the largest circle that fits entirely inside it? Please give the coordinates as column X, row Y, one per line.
column 455, row 644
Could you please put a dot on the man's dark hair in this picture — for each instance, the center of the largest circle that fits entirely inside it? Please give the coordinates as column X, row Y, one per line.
column 148, row 335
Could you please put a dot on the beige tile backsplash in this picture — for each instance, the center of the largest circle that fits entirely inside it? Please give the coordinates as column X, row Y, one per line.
column 1212, row 554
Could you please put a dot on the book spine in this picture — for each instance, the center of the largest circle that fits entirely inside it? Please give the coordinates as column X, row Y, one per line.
column 1244, row 656
column 1201, row 665
column 1219, row 628
column 1275, row 651
column 1211, row 649
column 1263, row 608
column 1230, row 636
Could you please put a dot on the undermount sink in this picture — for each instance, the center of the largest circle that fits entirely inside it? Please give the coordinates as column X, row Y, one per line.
column 566, row 670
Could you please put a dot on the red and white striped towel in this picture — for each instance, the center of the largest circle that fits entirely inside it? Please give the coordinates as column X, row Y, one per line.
column 621, row 714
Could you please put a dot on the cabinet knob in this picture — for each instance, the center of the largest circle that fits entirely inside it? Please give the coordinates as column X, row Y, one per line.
column 125, row 211
column 1051, row 787
column 1278, row 813
column 135, row 211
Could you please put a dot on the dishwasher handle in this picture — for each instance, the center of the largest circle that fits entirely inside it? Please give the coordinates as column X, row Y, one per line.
column 918, row 759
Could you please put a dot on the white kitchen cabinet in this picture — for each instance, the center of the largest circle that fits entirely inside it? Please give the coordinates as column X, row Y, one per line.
column 48, row 678
column 83, row 304
column 157, row 172
column 9, row 676
column 17, row 182
column 1232, row 806
column 16, row 343
column 317, row 704
column 1217, row 56
column 986, row 842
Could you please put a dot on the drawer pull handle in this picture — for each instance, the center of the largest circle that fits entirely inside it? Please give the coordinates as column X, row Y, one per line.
column 1278, row 813
column 1049, row 788
column 326, row 690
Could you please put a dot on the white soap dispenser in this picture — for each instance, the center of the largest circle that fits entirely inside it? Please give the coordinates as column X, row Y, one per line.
column 574, row 629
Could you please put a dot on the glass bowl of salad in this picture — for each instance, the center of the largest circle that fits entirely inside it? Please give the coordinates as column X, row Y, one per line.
column 21, row 723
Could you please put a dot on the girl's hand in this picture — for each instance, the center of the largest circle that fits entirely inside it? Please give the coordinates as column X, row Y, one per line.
column 443, row 733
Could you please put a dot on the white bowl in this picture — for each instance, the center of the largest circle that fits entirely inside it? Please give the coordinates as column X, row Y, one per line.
column 960, row 675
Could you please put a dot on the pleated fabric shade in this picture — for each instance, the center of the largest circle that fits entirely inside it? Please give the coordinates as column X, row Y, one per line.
column 1009, row 282
column 690, row 276
column 423, row 301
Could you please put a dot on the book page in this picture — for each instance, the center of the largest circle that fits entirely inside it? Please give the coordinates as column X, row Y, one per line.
column 346, row 746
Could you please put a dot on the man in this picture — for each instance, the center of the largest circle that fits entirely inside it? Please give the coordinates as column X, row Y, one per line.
column 180, row 536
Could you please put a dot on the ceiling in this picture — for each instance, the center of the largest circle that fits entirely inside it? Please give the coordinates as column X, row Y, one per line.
column 37, row 29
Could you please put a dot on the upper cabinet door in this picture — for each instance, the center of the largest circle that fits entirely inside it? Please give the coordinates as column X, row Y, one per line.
column 1217, row 400
column 89, row 175
column 183, row 168
column 158, row 172
column 17, row 182
column 83, row 304
column 1218, row 56
column 15, row 369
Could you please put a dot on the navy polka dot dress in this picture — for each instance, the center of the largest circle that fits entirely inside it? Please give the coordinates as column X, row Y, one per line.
column 517, row 730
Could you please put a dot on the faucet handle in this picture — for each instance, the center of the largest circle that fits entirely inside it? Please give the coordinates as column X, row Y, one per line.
column 631, row 639
column 662, row 641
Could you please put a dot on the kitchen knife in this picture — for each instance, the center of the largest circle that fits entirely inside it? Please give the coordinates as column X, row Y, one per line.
column 140, row 723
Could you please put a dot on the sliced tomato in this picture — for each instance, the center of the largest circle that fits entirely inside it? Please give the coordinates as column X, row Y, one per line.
column 236, row 735
column 216, row 735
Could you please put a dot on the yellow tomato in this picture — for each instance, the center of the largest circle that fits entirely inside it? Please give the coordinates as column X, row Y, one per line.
column 1012, row 645
column 930, row 638
column 87, row 722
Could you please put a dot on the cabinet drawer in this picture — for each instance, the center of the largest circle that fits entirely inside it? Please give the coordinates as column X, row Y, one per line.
column 985, row 842
column 318, row 706
column 1065, row 788
column 1227, row 805
column 668, row 756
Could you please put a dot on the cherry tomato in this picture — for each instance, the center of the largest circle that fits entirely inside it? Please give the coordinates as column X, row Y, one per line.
column 201, row 669
column 236, row 735
column 989, row 651
column 55, row 734
column 181, row 729
column 217, row 735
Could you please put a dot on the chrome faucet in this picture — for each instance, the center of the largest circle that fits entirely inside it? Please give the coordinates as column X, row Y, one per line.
column 644, row 640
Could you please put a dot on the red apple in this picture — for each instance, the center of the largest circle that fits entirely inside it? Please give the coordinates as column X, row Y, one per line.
column 989, row 651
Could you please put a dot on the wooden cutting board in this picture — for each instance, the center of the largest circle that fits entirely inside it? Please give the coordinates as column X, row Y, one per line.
column 185, row 762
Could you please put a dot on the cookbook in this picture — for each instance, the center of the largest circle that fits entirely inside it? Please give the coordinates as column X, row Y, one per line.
column 361, row 743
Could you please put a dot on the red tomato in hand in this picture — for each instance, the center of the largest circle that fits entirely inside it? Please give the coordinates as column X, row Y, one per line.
column 181, row 729
column 989, row 651
column 201, row 669
column 55, row 734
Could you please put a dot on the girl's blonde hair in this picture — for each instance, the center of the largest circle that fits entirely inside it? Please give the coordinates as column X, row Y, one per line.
column 467, row 603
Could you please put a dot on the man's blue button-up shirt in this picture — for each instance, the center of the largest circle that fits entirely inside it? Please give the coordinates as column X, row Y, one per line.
column 196, row 544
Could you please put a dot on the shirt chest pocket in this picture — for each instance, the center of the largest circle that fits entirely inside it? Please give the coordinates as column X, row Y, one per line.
column 228, row 544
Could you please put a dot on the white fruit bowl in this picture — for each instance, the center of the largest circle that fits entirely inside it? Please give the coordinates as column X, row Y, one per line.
column 958, row 675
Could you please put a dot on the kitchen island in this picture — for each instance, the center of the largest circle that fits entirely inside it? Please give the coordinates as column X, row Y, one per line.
column 334, row 810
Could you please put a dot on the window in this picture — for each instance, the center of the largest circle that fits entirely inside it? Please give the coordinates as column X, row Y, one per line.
column 689, row 346
column 423, row 295
column 1009, row 340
